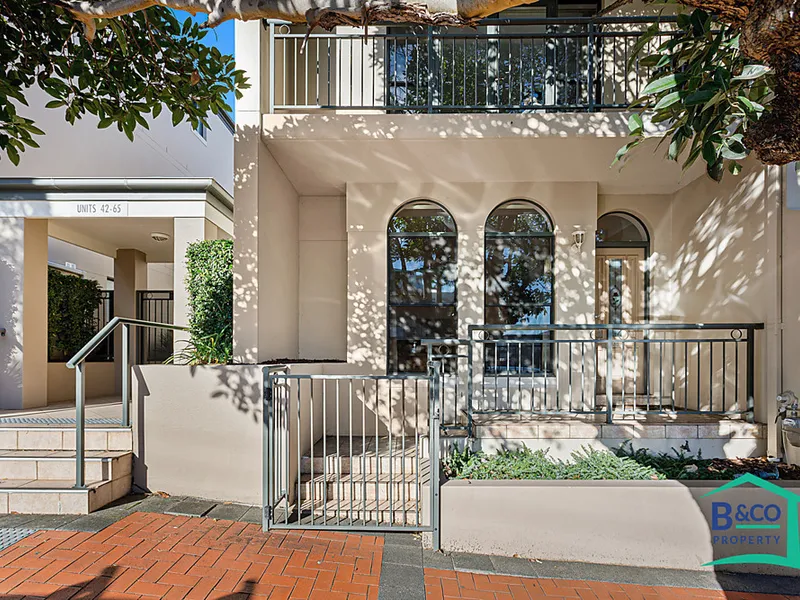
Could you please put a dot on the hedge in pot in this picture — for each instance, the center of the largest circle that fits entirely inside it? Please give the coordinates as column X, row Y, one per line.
column 209, row 283
column 71, row 313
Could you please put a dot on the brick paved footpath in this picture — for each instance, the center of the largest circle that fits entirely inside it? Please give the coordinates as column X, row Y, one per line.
column 457, row 585
column 149, row 555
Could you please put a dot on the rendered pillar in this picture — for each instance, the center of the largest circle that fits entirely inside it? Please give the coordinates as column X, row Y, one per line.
column 130, row 275
column 251, row 48
column 23, row 312
column 185, row 231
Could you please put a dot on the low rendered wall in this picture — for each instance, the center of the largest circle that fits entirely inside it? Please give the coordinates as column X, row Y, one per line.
column 635, row 523
column 727, row 438
column 100, row 381
column 198, row 430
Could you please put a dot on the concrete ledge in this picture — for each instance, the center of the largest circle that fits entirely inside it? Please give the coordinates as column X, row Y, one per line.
column 663, row 524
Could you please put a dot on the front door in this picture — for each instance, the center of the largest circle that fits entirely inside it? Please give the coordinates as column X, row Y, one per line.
column 619, row 298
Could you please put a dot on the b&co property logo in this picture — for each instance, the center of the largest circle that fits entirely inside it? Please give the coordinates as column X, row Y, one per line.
column 762, row 530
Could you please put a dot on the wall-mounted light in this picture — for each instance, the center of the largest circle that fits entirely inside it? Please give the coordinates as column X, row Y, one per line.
column 578, row 238
column 159, row 237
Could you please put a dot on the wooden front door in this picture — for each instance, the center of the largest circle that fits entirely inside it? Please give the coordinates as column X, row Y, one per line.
column 619, row 298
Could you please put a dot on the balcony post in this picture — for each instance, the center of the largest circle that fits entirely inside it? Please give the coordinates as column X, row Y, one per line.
column 271, row 82
column 590, row 68
column 609, row 376
column 751, row 367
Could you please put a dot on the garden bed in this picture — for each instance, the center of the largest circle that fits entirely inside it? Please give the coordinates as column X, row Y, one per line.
column 622, row 463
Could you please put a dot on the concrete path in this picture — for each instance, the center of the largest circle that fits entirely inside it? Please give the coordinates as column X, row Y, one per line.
column 153, row 547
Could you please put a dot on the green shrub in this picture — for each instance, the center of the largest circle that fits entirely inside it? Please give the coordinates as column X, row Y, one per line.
column 209, row 283
column 585, row 464
column 71, row 306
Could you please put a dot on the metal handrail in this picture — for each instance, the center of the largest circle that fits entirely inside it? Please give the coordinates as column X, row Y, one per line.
column 78, row 362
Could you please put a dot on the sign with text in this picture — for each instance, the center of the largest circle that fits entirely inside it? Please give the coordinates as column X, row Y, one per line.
column 98, row 209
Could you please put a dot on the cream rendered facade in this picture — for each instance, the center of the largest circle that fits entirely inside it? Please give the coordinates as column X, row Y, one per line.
column 316, row 191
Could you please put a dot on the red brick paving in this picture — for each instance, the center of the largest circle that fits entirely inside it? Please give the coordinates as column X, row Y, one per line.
column 150, row 555
column 452, row 585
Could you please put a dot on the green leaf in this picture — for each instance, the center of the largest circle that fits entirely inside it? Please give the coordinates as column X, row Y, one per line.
column 667, row 100
column 13, row 155
column 734, row 167
column 750, row 72
column 698, row 97
column 55, row 104
column 635, row 124
column 662, row 84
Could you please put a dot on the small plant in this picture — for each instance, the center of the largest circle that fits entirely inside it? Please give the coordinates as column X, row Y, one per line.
column 585, row 464
column 206, row 350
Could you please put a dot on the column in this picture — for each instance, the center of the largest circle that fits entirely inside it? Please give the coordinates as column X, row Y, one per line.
column 185, row 231
column 130, row 275
column 23, row 313
column 251, row 48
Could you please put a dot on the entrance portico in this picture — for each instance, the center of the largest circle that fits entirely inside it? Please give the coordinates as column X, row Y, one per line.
column 134, row 221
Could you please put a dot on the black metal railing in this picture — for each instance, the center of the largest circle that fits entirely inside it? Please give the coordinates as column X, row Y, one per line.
column 504, row 65
column 610, row 370
column 154, row 346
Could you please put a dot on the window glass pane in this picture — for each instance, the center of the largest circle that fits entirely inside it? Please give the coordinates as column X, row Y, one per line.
column 518, row 217
column 518, row 270
column 614, row 228
column 422, row 282
column 422, row 270
column 422, row 217
column 409, row 325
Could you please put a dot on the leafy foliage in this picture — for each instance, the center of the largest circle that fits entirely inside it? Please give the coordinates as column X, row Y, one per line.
column 586, row 464
column 71, row 306
column 209, row 282
column 705, row 89
column 136, row 65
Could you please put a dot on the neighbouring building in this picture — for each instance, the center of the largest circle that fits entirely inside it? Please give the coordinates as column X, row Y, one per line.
column 91, row 203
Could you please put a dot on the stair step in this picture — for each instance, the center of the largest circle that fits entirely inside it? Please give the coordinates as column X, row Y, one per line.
column 59, row 496
column 382, row 512
column 363, row 464
column 358, row 487
column 60, row 464
column 63, row 438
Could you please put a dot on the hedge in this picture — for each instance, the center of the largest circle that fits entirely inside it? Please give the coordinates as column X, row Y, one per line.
column 209, row 283
column 72, row 304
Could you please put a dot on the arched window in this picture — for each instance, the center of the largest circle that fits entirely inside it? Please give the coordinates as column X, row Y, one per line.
column 422, row 282
column 617, row 229
column 518, row 290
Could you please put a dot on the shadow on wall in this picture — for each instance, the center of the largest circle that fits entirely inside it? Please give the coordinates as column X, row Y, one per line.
column 10, row 345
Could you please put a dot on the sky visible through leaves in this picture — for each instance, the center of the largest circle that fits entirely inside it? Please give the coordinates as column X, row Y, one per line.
column 221, row 36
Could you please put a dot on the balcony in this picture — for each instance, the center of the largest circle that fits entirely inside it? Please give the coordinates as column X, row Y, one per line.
column 502, row 66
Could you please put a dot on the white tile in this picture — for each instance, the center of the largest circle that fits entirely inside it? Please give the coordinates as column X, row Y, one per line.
column 39, row 440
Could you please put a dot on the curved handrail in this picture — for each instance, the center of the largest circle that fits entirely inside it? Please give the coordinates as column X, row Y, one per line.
column 93, row 343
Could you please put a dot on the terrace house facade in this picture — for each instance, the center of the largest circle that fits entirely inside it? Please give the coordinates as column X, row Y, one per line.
column 402, row 185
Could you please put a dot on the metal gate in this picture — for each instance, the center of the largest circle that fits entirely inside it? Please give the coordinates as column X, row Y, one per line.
column 351, row 452
column 154, row 346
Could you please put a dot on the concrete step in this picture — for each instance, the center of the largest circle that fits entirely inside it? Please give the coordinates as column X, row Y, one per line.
column 58, row 496
column 359, row 487
column 60, row 464
column 359, row 464
column 381, row 513
column 63, row 438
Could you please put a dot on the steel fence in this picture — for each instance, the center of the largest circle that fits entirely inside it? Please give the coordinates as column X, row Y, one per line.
column 503, row 65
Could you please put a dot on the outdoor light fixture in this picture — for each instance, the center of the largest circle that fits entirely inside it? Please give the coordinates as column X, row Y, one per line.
column 159, row 237
column 577, row 239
